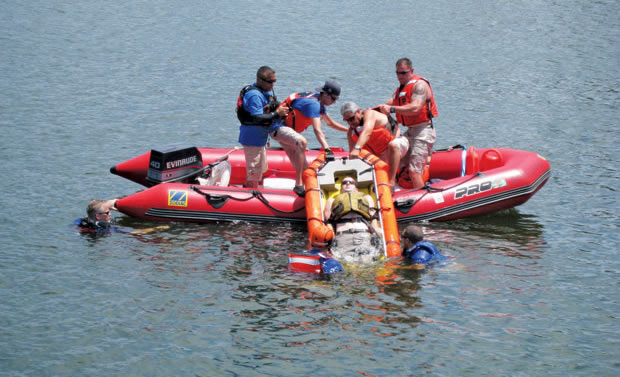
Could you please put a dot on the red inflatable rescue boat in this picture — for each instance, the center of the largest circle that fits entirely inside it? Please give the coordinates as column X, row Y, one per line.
column 204, row 185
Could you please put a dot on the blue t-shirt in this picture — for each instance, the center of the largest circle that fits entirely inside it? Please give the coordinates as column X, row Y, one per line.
column 254, row 101
column 309, row 106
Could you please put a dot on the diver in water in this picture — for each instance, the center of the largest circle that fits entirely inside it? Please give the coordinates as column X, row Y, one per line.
column 416, row 249
column 98, row 216
column 98, row 220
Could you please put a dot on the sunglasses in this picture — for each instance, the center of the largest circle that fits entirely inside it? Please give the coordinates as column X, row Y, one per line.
column 349, row 119
column 348, row 182
column 402, row 72
column 268, row 81
column 335, row 98
column 103, row 213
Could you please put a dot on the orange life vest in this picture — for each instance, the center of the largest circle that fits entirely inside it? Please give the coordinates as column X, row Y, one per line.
column 379, row 138
column 296, row 119
column 402, row 96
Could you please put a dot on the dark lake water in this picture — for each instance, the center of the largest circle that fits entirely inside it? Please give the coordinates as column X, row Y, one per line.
column 85, row 85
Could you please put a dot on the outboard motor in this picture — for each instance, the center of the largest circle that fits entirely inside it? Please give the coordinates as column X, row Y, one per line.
column 174, row 163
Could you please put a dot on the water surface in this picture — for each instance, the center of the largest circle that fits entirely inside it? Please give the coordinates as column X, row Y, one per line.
column 86, row 85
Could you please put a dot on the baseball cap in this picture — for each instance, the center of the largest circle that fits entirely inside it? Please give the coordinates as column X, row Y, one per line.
column 330, row 87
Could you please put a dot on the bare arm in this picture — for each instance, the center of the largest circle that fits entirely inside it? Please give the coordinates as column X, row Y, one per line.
column 350, row 139
column 111, row 204
column 371, row 204
column 418, row 99
column 373, row 209
column 385, row 107
column 420, row 93
column 333, row 124
column 318, row 132
column 370, row 118
column 327, row 212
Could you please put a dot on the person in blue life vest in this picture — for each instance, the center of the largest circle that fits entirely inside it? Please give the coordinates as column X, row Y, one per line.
column 97, row 216
column 357, row 234
column 416, row 249
column 258, row 112
column 306, row 109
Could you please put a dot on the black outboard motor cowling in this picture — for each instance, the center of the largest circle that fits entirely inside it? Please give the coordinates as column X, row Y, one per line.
column 174, row 163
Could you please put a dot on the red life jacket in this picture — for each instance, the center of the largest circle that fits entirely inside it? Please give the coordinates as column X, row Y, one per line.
column 379, row 138
column 296, row 119
column 402, row 96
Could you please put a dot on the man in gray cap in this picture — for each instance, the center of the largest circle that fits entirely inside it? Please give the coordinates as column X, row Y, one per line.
column 306, row 109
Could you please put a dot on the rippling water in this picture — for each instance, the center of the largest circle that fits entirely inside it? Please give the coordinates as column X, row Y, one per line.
column 85, row 85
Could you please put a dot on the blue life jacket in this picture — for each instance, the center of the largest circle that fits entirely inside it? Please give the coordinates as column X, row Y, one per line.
column 423, row 252
column 329, row 265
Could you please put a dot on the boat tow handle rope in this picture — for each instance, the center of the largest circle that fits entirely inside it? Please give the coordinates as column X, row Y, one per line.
column 405, row 206
column 457, row 146
column 218, row 200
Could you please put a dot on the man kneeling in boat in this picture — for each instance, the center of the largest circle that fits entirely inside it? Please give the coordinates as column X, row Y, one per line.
column 357, row 233
column 376, row 132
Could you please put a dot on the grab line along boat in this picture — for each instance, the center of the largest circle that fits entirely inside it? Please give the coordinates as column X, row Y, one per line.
column 462, row 182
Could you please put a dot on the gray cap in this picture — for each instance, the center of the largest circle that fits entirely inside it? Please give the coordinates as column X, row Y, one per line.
column 330, row 87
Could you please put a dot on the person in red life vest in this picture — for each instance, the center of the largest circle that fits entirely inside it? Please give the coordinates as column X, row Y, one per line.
column 413, row 104
column 258, row 113
column 377, row 133
column 306, row 109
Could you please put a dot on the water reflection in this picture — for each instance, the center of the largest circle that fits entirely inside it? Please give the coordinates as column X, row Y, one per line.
column 509, row 224
column 235, row 276
column 508, row 233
